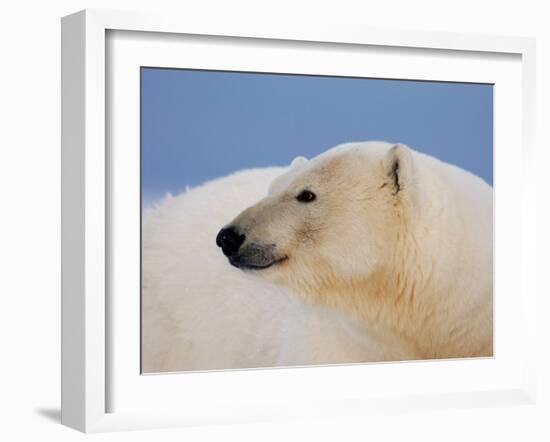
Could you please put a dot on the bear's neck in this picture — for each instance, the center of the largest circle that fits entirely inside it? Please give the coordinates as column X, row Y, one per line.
column 427, row 318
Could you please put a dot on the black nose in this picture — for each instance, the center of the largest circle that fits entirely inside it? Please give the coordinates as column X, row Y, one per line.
column 229, row 239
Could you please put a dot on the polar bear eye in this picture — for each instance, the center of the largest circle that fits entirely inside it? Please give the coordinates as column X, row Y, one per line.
column 306, row 196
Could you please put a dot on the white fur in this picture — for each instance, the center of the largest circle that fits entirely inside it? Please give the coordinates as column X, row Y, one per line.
column 201, row 313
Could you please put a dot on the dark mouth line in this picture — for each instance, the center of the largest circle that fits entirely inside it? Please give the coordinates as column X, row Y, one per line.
column 259, row 267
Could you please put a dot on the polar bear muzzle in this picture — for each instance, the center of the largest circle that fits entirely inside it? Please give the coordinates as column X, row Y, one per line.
column 252, row 256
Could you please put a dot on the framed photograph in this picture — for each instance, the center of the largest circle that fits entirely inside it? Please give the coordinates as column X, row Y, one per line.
column 263, row 222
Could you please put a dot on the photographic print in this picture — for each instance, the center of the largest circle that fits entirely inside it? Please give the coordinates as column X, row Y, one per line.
column 301, row 220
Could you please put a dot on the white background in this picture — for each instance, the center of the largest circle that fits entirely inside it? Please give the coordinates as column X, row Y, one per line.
column 30, row 217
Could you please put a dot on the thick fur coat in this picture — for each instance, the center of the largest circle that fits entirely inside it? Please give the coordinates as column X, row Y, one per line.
column 391, row 261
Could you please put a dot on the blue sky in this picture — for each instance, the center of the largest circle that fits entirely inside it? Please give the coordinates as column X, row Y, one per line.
column 199, row 125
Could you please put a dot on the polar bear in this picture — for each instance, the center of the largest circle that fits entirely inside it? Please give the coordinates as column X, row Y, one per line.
column 395, row 240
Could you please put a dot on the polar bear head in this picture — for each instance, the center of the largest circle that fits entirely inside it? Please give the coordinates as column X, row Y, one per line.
column 329, row 222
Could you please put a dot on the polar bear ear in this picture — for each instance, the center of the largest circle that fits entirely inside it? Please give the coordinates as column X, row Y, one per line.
column 298, row 161
column 399, row 169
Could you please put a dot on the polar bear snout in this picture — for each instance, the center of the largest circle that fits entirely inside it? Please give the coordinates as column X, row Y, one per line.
column 230, row 240
column 249, row 256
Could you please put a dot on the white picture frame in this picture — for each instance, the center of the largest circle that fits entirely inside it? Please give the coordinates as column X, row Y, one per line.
column 87, row 358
